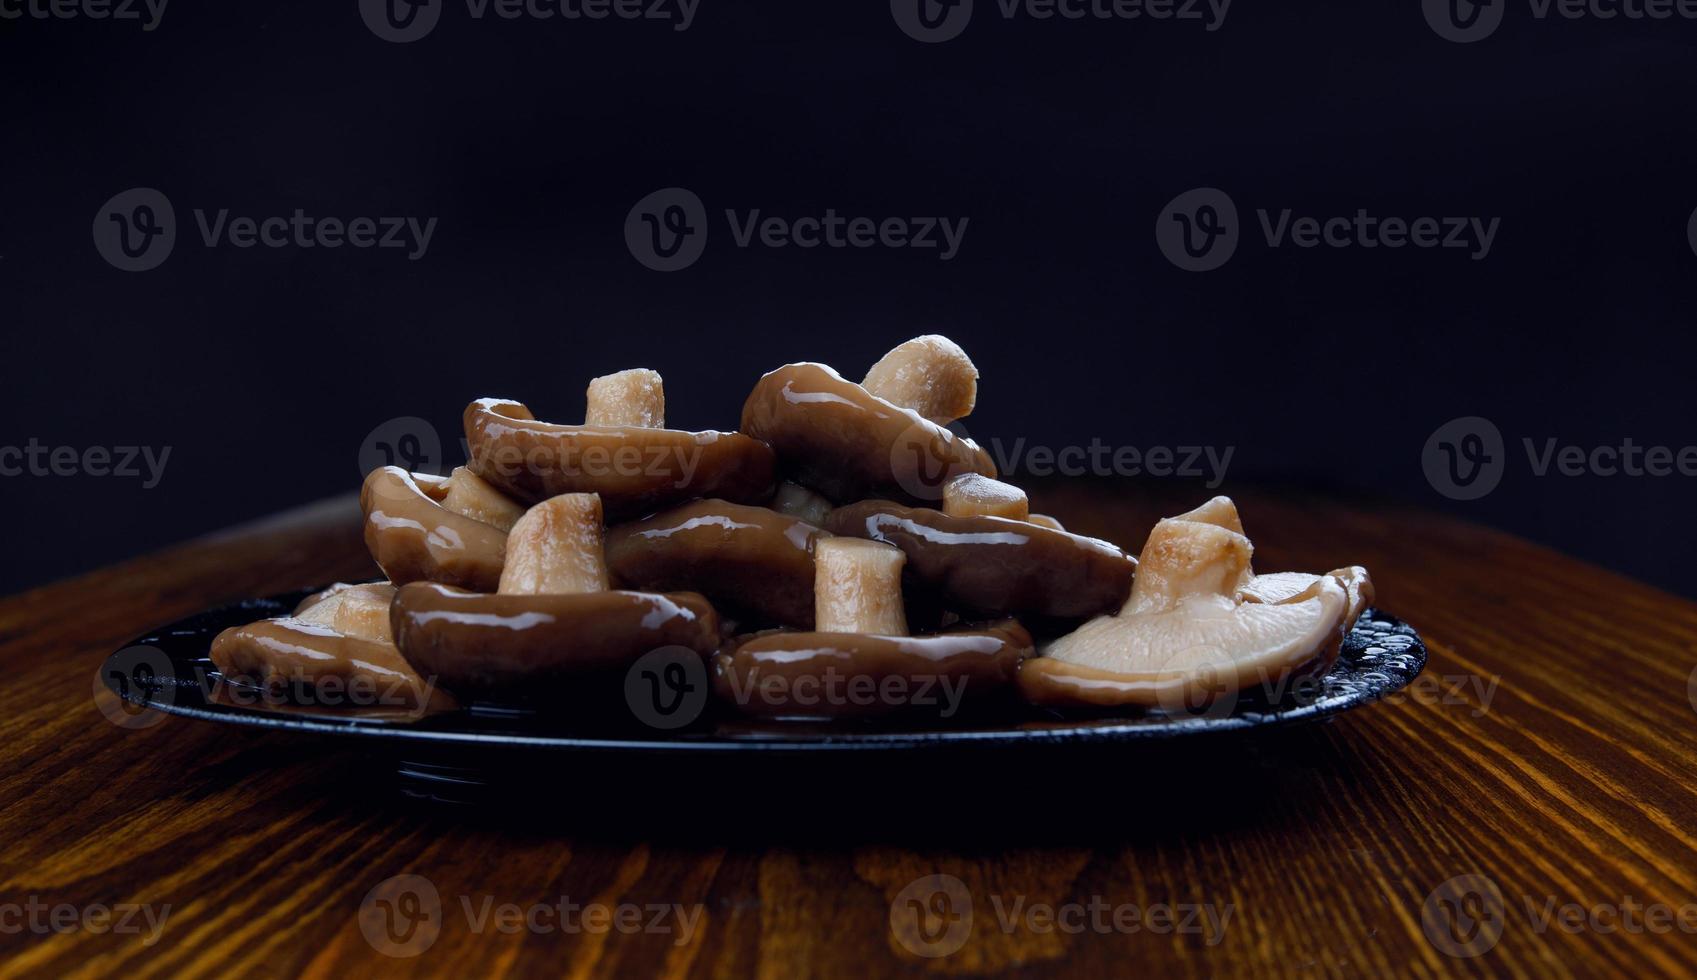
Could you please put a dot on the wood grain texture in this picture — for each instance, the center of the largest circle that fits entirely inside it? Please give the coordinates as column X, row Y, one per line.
column 1552, row 751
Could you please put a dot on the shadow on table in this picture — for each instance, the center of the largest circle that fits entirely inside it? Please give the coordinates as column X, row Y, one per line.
column 1061, row 794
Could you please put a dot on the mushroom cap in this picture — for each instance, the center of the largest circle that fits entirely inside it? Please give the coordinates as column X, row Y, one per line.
column 1279, row 588
column 636, row 470
column 537, row 645
column 1194, row 654
column 995, row 566
column 784, row 674
column 1187, row 635
column 279, row 654
column 749, row 560
column 414, row 538
column 836, row 437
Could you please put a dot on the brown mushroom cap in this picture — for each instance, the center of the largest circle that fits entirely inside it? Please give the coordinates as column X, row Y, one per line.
column 785, row 674
column 536, row 645
column 993, row 566
column 412, row 537
column 635, row 470
column 747, row 559
column 834, row 436
column 277, row 654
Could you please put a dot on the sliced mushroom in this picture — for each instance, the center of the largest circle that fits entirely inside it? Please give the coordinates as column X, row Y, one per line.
column 930, row 375
column 412, row 537
column 848, row 444
column 522, row 647
column 636, row 470
column 1188, row 637
column 972, row 495
column 992, row 566
column 750, row 561
column 334, row 651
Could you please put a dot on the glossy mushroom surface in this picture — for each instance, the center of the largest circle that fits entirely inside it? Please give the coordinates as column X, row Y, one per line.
column 1190, row 639
column 993, row 566
column 332, row 653
column 798, row 675
column 750, row 561
column 526, row 646
column 636, row 470
column 834, row 436
column 414, row 538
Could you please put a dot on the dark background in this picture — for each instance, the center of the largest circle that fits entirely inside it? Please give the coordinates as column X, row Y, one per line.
column 265, row 369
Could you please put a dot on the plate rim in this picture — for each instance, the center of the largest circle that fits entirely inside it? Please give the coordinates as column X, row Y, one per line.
column 1081, row 731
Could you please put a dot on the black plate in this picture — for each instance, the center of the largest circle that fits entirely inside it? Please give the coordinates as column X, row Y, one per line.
column 168, row 670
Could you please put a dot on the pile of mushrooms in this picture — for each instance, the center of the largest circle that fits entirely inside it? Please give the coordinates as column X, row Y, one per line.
column 845, row 536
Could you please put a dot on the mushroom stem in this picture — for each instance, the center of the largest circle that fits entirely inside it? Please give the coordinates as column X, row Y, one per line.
column 1184, row 558
column 795, row 500
column 972, row 495
column 353, row 610
column 627, row 398
column 470, row 495
column 930, row 375
column 556, row 549
column 857, row 587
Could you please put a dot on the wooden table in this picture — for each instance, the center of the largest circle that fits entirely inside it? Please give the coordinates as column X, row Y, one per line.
column 1549, row 749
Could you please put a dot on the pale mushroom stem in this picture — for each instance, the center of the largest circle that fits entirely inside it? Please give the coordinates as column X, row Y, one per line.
column 857, row 587
column 353, row 610
column 469, row 495
column 799, row 502
column 556, row 549
column 930, row 375
column 627, row 398
column 972, row 495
